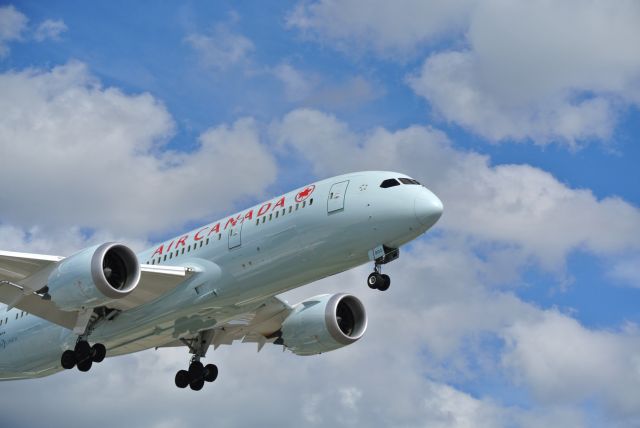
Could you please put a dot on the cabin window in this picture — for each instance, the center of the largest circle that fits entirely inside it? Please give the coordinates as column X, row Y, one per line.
column 257, row 221
column 284, row 210
column 170, row 256
column 182, row 250
column 390, row 182
column 201, row 244
column 219, row 236
column 153, row 262
column 264, row 219
column 290, row 209
column 297, row 207
column 277, row 214
column 207, row 241
column 165, row 257
column 311, row 201
column 270, row 216
column 304, row 203
column 177, row 252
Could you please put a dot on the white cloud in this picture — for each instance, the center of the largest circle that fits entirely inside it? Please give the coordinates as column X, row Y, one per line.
column 562, row 361
column 221, row 50
column 79, row 155
column 50, row 29
column 12, row 26
column 545, row 71
column 627, row 270
column 514, row 205
column 311, row 89
column 390, row 28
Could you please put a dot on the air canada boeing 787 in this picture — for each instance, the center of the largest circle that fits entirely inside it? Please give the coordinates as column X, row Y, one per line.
column 215, row 284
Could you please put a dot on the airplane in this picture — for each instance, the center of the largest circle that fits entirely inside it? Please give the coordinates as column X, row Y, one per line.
column 215, row 284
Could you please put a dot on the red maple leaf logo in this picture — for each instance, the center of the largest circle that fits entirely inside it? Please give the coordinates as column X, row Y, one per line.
column 304, row 194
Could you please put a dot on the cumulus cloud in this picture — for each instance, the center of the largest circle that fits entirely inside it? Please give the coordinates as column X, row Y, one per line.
column 541, row 71
column 560, row 360
column 12, row 26
column 50, row 29
column 392, row 29
column 80, row 155
column 222, row 49
column 311, row 89
column 518, row 206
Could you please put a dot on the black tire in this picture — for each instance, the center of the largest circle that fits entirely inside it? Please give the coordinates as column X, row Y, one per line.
column 373, row 280
column 82, row 350
column 182, row 379
column 68, row 359
column 85, row 366
column 197, row 385
column 196, row 370
column 385, row 283
column 99, row 352
column 210, row 372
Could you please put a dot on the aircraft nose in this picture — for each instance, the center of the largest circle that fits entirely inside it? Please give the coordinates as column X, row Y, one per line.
column 428, row 209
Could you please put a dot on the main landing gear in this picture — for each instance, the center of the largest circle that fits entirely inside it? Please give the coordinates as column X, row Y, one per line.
column 83, row 356
column 198, row 373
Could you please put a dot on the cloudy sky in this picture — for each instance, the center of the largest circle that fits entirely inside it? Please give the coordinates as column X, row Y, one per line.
column 137, row 120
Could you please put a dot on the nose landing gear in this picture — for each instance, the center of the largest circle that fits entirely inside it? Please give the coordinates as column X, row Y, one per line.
column 381, row 255
column 378, row 281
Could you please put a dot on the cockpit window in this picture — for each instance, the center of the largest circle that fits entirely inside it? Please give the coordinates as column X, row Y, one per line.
column 390, row 182
column 404, row 180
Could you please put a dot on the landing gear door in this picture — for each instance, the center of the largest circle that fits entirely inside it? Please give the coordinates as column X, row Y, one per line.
column 235, row 236
column 337, row 194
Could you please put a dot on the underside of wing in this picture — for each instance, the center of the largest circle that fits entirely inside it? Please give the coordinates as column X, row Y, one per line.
column 257, row 326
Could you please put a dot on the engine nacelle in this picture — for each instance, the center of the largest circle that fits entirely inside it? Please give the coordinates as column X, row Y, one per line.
column 94, row 277
column 324, row 323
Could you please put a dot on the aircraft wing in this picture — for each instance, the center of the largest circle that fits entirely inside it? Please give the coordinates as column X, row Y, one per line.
column 22, row 275
column 257, row 326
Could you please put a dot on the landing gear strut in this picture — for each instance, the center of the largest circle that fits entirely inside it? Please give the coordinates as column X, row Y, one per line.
column 198, row 373
column 83, row 356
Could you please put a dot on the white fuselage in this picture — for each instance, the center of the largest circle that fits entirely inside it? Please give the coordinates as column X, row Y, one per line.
column 239, row 262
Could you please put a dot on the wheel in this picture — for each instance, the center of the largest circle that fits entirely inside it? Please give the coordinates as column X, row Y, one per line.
column 210, row 372
column 182, row 378
column 374, row 280
column 196, row 370
column 385, row 283
column 85, row 366
column 99, row 352
column 68, row 359
column 197, row 385
column 82, row 350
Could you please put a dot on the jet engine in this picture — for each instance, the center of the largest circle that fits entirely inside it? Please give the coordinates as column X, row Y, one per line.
column 94, row 277
column 324, row 323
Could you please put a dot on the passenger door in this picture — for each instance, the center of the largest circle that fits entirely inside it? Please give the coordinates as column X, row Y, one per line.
column 337, row 194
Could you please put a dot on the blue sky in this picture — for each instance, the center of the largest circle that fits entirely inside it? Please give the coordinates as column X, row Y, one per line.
column 136, row 120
